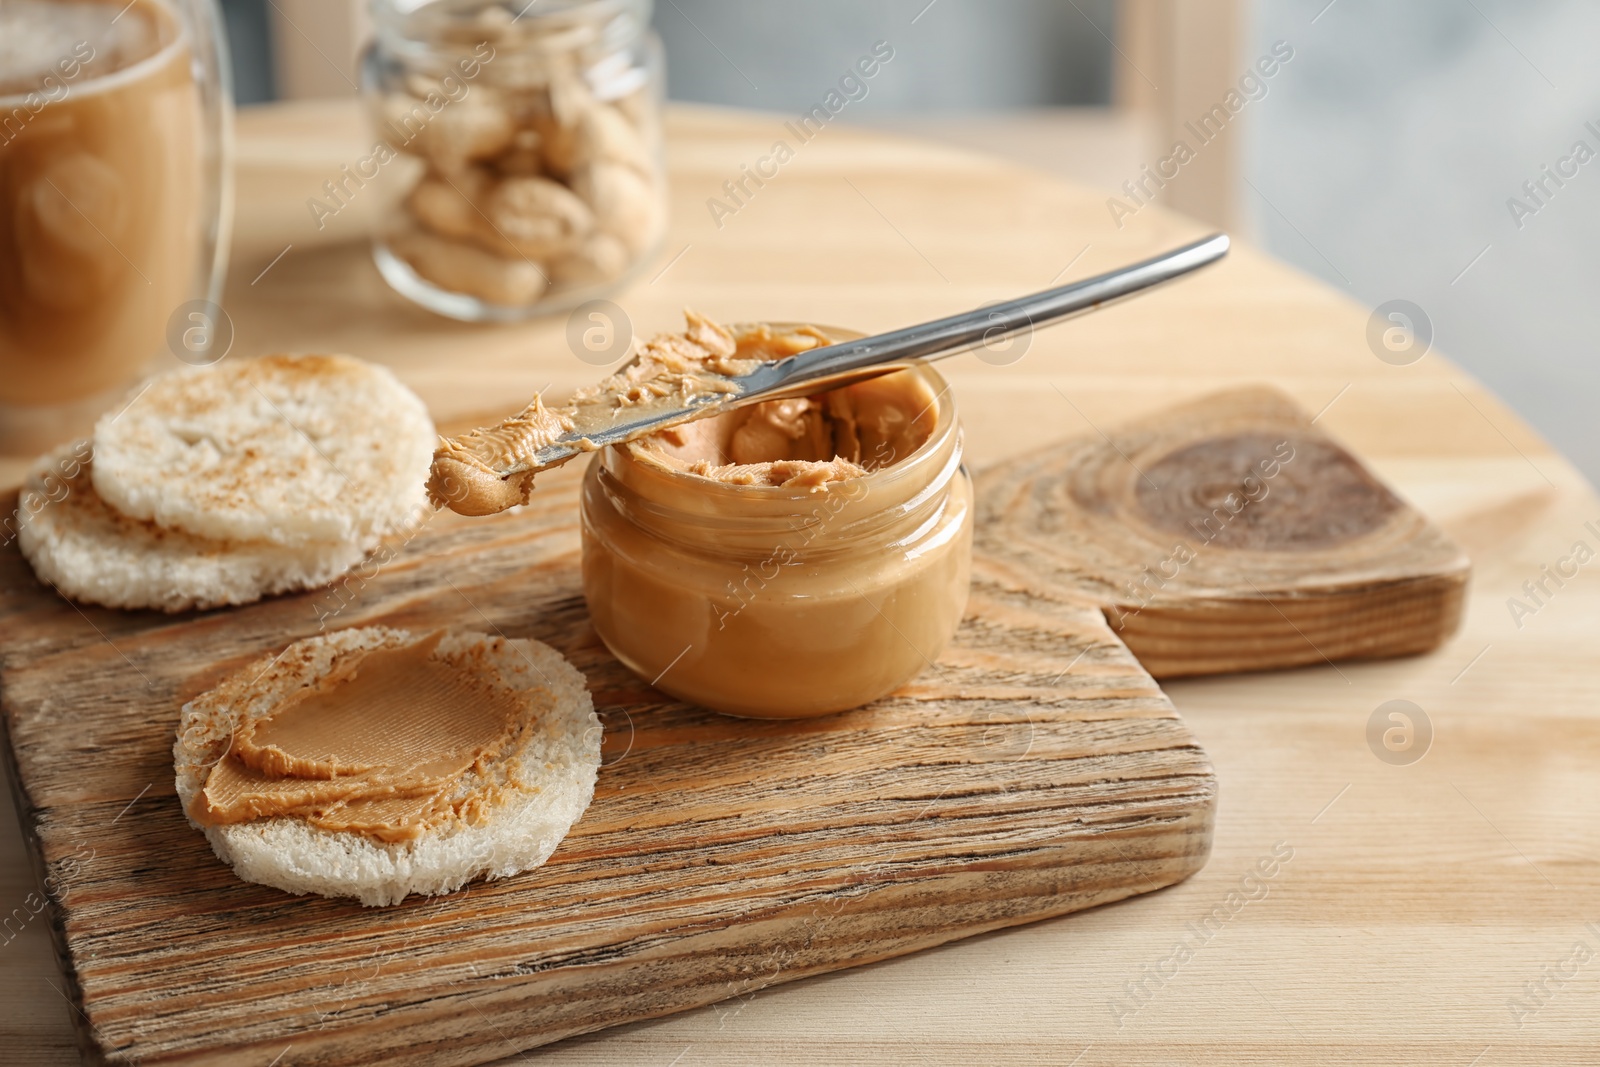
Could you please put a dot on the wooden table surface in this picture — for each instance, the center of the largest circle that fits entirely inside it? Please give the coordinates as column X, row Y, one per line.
column 1435, row 912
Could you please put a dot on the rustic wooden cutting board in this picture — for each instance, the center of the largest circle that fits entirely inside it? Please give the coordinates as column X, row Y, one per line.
column 1036, row 771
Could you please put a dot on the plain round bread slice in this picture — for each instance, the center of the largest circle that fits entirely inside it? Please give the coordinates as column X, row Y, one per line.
column 547, row 776
column 287, row 449
column 97, row 555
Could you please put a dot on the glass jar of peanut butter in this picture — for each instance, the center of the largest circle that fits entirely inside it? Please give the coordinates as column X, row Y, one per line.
column 787, row 559
column 531, row 134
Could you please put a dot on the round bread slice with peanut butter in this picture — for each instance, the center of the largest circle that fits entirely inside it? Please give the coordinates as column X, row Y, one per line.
column 374, row 763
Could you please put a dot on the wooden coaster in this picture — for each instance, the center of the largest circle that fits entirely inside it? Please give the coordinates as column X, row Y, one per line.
column 1227, row 534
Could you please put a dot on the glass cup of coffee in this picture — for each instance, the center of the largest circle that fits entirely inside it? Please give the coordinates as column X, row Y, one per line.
column 115, row 203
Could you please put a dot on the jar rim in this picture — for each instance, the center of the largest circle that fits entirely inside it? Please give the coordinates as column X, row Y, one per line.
column 944, row 426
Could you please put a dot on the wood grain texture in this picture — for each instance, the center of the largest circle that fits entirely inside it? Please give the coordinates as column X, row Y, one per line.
column 1420, row 899
column 1036, row 770
column 1229, row 534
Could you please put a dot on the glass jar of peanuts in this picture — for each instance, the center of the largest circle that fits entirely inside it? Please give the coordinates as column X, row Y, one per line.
column 533, row 136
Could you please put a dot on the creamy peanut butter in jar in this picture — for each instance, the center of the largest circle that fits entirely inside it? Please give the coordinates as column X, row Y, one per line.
column 786, row 559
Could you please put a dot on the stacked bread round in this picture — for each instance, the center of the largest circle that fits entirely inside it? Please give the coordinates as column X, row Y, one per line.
column 541, row 783
column 219, row 485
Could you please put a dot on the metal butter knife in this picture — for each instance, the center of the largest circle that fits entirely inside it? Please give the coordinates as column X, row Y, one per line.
column 848, row 361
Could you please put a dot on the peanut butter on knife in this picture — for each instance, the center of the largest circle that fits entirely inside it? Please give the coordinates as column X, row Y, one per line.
column 490, row 469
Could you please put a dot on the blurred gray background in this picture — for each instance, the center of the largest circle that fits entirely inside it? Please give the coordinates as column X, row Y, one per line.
column 1393, row 147
column 960, row 55
column 1381, row 160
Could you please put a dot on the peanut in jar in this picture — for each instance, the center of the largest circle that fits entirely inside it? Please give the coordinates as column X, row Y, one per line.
column 534, row 133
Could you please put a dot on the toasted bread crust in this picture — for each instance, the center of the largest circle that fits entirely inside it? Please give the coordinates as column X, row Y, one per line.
column 292, row 450
column 95, row 554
